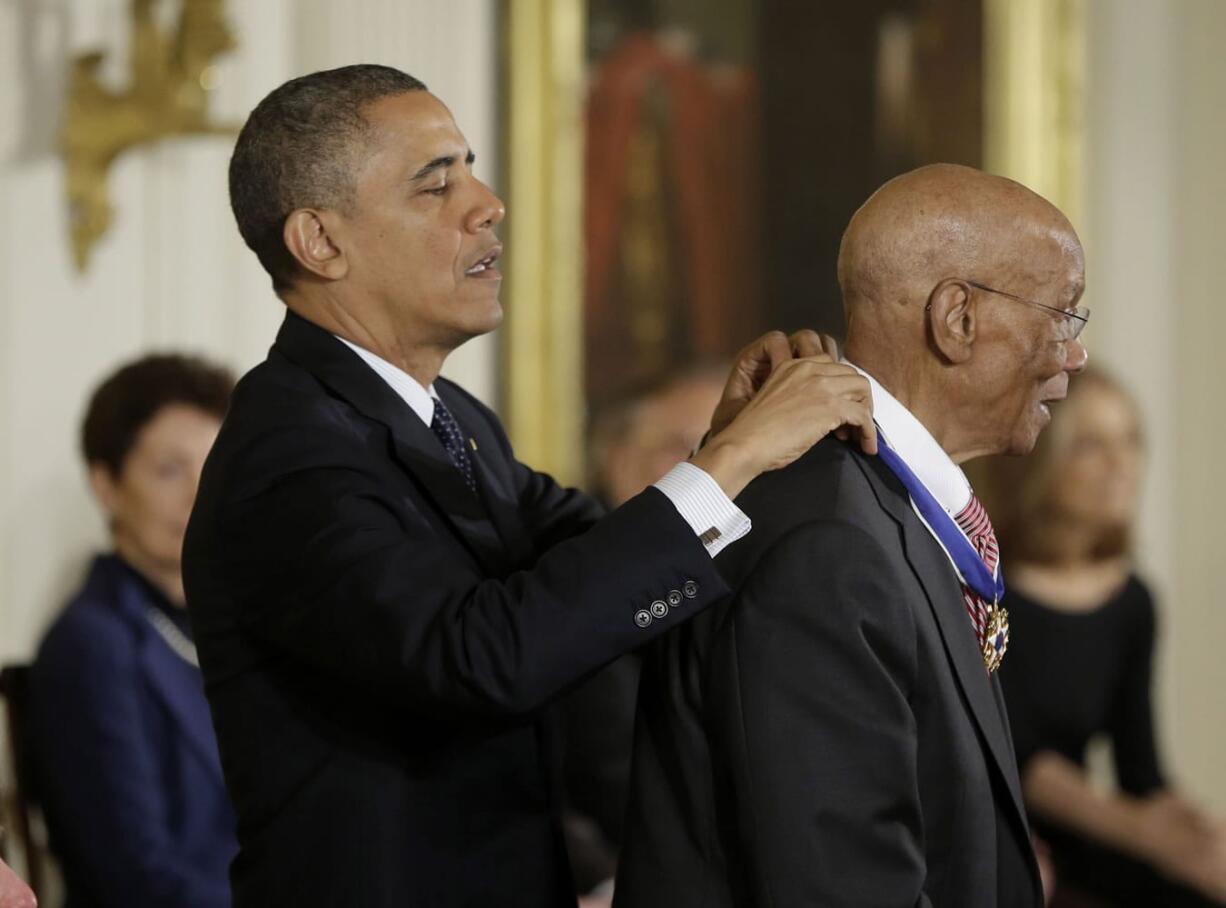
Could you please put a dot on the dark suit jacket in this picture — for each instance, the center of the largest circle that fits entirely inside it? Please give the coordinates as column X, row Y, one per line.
column 378, row 644
column 127, row 765
column 830, row 736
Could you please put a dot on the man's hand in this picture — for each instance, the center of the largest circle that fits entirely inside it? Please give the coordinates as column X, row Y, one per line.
column 801, row 402
column 756, row 362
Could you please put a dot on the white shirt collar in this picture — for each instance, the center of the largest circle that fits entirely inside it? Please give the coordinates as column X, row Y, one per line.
column 918, row 449
column 409, row 389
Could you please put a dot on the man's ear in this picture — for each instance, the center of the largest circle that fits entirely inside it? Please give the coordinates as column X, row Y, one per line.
column 951, row 319
column 307, row 237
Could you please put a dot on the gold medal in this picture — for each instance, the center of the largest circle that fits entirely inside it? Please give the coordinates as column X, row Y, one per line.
column 996, row 638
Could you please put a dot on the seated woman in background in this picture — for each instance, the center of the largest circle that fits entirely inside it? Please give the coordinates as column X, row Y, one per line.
column 1083, row 628
column 128, row 771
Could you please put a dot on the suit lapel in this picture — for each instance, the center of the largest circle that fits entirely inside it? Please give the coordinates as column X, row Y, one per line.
column 414, row 445
column 496, row 485
column 944, row 593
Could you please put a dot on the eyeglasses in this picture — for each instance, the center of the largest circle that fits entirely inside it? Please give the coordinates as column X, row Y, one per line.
column 1071, row 320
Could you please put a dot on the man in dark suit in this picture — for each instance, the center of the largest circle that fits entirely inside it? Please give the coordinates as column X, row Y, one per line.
column 385, row 599
column 834, row 734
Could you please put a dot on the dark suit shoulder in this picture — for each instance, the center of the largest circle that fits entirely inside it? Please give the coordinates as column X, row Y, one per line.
column 278, row 395
column 838, row 582
column 833, row 483
column 823, row 554
column 283, row 420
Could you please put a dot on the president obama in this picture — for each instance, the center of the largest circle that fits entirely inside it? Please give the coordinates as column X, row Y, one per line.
column 385, row 600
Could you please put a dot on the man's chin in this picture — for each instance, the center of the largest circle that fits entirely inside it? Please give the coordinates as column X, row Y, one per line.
column 491, row 320
column 479, row 324
column 1024, row 441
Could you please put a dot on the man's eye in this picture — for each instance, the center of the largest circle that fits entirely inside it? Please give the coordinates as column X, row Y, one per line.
column 438, row 190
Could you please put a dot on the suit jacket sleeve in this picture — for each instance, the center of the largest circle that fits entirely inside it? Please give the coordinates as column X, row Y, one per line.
column 329, row 571
column 100, row 768
column 822, row 664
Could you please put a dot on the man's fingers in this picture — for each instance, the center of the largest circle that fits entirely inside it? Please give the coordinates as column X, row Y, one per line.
column 836, row 378
column 756, row 363
column 772, row 351
column 856, row 422
column 805, row 343
column 862, row 418
column 868, row 436
column 777, row 348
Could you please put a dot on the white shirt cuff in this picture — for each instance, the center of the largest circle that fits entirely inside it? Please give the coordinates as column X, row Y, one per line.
column 704, row 506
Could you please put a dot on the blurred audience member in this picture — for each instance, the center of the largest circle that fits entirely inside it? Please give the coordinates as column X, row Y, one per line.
column 636, row 440
column 128, row 770
column 633, row 443
column 13, row 892
column 1083, row 628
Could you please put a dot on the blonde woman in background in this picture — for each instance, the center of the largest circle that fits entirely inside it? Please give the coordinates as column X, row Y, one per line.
column 1083, row 628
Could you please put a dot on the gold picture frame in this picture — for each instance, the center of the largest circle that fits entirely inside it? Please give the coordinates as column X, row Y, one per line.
column 1034, row 97
column 542, row 353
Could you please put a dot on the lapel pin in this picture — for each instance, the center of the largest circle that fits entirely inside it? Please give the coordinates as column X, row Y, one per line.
column 473, row 442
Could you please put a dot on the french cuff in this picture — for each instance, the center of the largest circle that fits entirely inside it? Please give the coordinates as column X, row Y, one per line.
column 715, row 520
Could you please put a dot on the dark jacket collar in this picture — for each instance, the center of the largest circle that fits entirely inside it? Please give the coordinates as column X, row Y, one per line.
column 415, row 447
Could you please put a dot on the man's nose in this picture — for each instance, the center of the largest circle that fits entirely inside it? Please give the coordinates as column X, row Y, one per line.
column 1075, row 356
column 487, row 210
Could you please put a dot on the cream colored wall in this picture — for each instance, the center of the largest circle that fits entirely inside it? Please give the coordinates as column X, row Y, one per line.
column 1155, row 192
column 1196, row 303
column 173, row 272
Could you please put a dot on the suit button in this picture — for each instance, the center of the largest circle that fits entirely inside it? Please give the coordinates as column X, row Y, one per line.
column 642, row 618
column 659, row 608
column 674, row 598
column 690, row 588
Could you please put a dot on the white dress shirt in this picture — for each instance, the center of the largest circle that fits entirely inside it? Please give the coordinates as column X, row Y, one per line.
column 918, row 449
column 697, row 497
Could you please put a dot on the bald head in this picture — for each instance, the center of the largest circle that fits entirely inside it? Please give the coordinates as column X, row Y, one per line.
column 959, row 289
column 943, row 221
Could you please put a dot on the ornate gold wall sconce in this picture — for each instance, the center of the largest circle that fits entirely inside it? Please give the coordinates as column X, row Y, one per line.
column 172, row 74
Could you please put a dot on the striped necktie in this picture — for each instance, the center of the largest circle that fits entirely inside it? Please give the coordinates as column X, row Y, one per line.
column 974, row 521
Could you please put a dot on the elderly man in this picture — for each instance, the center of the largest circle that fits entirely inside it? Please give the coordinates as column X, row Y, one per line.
column 384, row 599
column 834, row 734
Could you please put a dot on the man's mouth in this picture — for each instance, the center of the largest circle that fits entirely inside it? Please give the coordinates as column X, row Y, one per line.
column 485, row 267
column 1046, row 404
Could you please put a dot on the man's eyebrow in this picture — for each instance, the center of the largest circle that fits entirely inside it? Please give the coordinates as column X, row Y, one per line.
column 442, row 163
